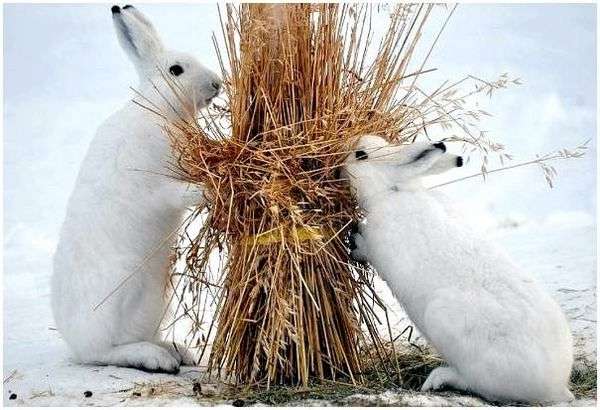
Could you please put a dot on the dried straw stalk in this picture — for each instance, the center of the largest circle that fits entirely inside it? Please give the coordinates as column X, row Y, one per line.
column 288, row 302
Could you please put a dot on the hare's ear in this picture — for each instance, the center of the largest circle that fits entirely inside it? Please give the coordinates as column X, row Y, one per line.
column 137, row 37
column 142, row 19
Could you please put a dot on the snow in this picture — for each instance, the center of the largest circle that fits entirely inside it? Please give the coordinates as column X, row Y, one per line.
column 42, row 374
column 59, row 87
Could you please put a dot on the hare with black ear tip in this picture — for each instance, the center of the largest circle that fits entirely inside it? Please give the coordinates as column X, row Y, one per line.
column 500, row 333
column 121, row 219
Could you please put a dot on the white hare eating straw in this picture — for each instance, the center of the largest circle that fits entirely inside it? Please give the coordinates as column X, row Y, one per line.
column 500, row 333
column 114, row 249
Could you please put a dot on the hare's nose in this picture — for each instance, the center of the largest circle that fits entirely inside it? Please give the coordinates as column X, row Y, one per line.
column 440, row 145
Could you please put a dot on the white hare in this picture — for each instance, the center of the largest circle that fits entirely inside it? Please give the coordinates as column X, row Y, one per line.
column 502, row 336
column 115, row 244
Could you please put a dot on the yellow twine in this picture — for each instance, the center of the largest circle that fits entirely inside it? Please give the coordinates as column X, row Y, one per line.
column 305, row 233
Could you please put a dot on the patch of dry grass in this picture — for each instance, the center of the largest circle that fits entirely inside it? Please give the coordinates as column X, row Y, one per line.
column 584, row 379
column 415, row 364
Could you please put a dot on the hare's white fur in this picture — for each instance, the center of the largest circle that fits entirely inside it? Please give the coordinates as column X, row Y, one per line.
column 500, row 333
column 123, row 214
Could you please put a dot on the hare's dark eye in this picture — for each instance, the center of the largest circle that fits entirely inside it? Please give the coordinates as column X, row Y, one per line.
column 176, row 70
column 360, row 154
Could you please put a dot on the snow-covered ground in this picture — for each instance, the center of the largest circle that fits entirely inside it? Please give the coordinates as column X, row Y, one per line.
column 37, row 367
column 64, row 73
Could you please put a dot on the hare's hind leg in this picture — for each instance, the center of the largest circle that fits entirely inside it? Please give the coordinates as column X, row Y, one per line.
column 144, row 356
column 444, row 377
column 184, row 356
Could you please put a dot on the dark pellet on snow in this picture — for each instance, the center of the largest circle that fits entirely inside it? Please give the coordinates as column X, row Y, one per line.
column 238, row 403
column 12, row 396
column 197, row 388
column 87, row 393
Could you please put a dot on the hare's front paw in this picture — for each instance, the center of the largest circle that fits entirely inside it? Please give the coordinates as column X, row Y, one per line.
column 358, row 247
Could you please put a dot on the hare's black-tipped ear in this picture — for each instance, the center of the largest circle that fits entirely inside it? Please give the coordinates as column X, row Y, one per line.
column 137, row 37
column 360, row 155
column 142, row 19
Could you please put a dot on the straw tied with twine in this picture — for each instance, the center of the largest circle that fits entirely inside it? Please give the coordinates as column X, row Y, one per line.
column 289, row 304
column 271, row 257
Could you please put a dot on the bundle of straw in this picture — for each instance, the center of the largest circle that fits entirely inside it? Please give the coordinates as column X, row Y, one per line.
column 289, row 302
